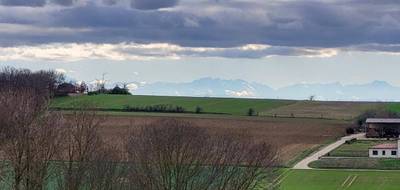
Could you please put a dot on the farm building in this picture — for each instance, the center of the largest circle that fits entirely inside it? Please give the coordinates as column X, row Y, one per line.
column 385, row 150
column 66, row 89
column 382, row 127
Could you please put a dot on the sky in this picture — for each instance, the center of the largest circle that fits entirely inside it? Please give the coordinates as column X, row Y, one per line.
column 274, row 42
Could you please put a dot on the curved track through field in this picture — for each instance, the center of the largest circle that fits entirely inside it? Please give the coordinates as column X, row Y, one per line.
column 303, row 164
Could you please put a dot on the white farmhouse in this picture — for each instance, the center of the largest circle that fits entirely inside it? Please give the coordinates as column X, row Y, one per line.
column 385, row 150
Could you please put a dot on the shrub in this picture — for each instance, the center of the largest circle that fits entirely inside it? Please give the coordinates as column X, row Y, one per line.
column 251, row 112
column 93, row 93
column 119, row 90
column 351, row 141
column 166, row 108
column 199, row 109
column 350, row 130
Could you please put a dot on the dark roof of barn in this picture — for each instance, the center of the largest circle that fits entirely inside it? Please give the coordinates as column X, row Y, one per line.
column 383, row 120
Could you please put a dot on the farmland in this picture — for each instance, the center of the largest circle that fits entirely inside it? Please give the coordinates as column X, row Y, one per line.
column 340, row 179
column 357, row 163
column 295, row 135
column 321, row 109
column 227, row 106
column 230, row 106
column 296, row 128
column 395, row 107
column 292, row 136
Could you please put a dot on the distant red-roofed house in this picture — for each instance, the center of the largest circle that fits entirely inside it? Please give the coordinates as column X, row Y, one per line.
column 387, row 150
column 66, row 89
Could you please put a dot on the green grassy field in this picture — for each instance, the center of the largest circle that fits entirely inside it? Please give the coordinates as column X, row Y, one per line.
column 357, row 163
column 229, row 106
column 340, row 179
column 232, row 106
column 395, row 107
column 358, row 148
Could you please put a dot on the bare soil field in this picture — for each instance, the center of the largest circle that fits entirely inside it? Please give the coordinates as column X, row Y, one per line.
column 319, row 109
column 292, row 136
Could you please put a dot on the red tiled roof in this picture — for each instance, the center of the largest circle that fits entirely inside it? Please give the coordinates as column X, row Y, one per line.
column 385, row 146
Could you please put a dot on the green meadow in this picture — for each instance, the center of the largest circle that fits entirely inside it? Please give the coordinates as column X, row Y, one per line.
column 395, row 107
column 340, row 180
column 230, row 106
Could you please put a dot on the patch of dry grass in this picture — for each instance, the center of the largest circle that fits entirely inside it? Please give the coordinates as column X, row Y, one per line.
column 328, row 110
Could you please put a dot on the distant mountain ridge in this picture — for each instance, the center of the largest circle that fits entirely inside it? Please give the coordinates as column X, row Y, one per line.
column 214, row 87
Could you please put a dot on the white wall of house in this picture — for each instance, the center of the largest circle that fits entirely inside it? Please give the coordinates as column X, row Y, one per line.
column 398, row 147
column 383, row 153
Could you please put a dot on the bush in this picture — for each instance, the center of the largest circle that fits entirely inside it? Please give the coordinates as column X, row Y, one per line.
column 92, row 93
column 166, row 108
column 351, row 141
column 350, row 130
column 251, row 112
column 199, row 109
column 119, row 90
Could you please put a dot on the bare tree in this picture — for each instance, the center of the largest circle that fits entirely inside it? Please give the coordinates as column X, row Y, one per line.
column 106, row 170
column 45, row 145
column 29, row 135
column 90, row 162
column 43, row 83
column 175, row 155
column 33, row 138
column 81, row 146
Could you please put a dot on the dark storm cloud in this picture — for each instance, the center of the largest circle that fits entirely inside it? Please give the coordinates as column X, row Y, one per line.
column 109, row 2
column 31, row 3
column 35, row 3
column 63, row 2
column 210, row 23
column 153, row 4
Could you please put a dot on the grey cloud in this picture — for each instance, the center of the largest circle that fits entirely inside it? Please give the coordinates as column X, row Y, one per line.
column 35, row 3
column 110, row 2
column 153, row 4
column 297, row 24
column 31, row 3
column 63, row 2
column 389, row 48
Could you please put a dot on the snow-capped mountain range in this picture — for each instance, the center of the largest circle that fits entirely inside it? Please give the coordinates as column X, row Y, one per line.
column 213, row 87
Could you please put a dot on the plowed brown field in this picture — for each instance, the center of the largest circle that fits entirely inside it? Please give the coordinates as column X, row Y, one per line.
column 291, row 135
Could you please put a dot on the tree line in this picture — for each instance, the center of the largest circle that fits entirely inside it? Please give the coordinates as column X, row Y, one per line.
column 43, row 83
column 165, row 108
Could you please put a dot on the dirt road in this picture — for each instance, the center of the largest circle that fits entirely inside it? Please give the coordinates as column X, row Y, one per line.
column 315, row 156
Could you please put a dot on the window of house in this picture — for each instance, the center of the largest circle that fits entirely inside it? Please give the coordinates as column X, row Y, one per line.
column 394, row 153
column 375, row 152
column 383, row 152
